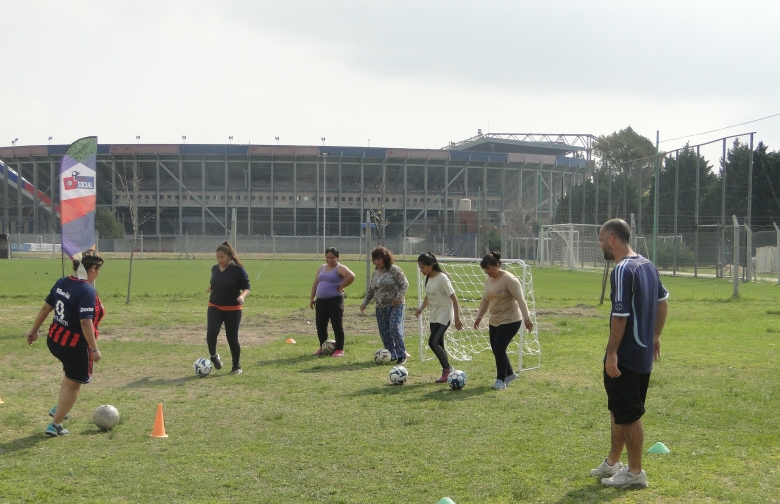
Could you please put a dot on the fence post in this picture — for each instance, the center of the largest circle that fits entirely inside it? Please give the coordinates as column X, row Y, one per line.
column 735, row 257
column 749, row 267
column 777, row 252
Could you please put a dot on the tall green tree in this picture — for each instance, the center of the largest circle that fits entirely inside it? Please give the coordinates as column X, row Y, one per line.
column 765, row 207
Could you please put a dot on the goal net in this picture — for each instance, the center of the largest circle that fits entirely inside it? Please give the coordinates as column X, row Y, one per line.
column 468, row 280
column 574, row 246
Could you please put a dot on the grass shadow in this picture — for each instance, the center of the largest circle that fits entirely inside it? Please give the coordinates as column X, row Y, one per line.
column 445, row 393
column 22, row 443
column 342, row 366
column 284, row 361
column 595, row 493
column 160, row 382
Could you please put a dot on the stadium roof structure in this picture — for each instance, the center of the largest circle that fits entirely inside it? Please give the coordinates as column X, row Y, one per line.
column 575, row 145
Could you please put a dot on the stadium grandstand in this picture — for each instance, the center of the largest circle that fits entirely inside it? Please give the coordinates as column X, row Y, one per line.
column 288, row 190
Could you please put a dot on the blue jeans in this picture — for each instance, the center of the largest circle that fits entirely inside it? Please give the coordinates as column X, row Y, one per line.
column 390, row 320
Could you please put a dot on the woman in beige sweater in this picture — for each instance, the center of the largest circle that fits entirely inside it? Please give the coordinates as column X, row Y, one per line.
column 503, row 298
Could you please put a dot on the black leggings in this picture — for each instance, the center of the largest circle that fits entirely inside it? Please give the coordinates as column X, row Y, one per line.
column 232, row 319
column 331, row 309
column 500, row 336
column 436, row 342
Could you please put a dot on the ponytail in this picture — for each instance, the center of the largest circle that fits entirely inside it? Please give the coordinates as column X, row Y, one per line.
column 226, row 248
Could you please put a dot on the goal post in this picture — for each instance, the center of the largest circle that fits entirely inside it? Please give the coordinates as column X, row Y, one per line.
column 468, row 280
column 574, row 246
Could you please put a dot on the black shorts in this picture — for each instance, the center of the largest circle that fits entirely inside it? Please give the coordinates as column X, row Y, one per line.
column 76, row 361
column 626, row 395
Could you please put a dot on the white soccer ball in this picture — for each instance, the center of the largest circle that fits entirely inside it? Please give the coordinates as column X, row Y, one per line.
column 203, row 366
column 399, row 375
column 382, row 356
column 328, row 347
column 106, row 417
column 457, row 379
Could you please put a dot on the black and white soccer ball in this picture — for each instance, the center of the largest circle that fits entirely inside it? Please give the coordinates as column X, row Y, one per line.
column 399, row 375
column 203, row 366
column 106, row 417
column 328, row 347
column 457, row 379
column 382, row 356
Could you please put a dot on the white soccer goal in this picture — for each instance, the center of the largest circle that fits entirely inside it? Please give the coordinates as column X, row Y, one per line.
column 574, row 246
column 468, row 280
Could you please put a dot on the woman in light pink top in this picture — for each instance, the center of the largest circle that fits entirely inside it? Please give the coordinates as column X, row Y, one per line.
column 503, row 298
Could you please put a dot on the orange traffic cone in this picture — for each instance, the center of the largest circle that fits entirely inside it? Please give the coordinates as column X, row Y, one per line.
column 159, row 424
column 290, row 340
column 1, row 401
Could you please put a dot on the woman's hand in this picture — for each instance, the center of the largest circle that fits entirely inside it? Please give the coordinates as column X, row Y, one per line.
column 32, row 336
column 528, row 324
column 240, row 299
column 476, row 322
column 418, row 312
column 311, row 303
column 397, row 302
column 96, row 355
column 458, row 324
column 362, row 308
column 208, row 291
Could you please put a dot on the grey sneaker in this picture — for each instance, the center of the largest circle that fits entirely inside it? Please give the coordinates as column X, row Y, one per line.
column 509, row 379
column 626, row 479
column 499, row 385
column 54, row 430
column 216, row 361
column 605, row 470
column 236, row 371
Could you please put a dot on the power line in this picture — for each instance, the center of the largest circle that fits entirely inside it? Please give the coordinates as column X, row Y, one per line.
column 720, row 129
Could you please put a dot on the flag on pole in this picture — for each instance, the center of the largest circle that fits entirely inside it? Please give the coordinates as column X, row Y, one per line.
column 78, row 196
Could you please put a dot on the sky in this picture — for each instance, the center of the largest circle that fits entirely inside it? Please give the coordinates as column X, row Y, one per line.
column 414, row 74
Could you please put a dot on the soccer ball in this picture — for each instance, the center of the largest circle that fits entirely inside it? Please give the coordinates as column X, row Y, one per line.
column 398, row 375
column 457, row 379
column 328, row 347
column 106, row 417
column 382, row 356
column 203, row 366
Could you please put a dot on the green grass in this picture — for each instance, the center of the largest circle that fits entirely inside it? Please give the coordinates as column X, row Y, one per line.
column 294, row 428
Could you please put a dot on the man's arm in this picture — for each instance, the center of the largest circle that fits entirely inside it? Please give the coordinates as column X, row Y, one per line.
column 660, row 320
column 617, row 327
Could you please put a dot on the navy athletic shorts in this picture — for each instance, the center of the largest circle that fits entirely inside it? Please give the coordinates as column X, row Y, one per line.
column 626, row 395
column 76, row 361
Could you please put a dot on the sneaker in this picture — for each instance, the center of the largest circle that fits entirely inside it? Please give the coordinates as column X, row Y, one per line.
column 401, row 361
column 605, row 470
column 407, row 354
column 499, row 385
column 216, row 361
column 444, row 374
column 318, row 352
column 236, row 371
column 338, row 353
column 626, row 479
column 54, row 430
column 510, row 378
column 54, row 410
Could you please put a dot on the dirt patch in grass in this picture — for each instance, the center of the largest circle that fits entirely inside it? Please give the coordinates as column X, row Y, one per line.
column 258, row 329
column 581, row 310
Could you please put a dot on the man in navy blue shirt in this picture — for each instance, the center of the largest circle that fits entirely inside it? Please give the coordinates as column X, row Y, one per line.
column 638, row 315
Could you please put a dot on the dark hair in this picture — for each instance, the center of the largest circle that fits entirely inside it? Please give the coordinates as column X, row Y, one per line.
column 226, row 248
column 381, row 252
column 332, row 250
column 492, row 259
column 429, row 259
column 619, row 229
column 88, row 258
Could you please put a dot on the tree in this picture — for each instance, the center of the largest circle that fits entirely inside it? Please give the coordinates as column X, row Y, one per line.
column 129, row 182
column 107, row 226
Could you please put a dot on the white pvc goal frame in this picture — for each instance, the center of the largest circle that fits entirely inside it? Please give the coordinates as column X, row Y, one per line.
column 575, row 246
column 468, row 280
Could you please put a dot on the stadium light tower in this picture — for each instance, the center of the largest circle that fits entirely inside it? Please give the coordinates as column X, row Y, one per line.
column 138, row 139
column 13, row 142
column 277, row 140
column 324, row 196
column 184, row 138
column 323, row 141
column 50, row 139
column 231, row 139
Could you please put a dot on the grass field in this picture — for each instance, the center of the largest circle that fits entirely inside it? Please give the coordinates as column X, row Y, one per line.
column 294, row 428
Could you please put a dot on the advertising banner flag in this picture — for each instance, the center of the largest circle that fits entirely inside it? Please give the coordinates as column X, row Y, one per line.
column 78, row 195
